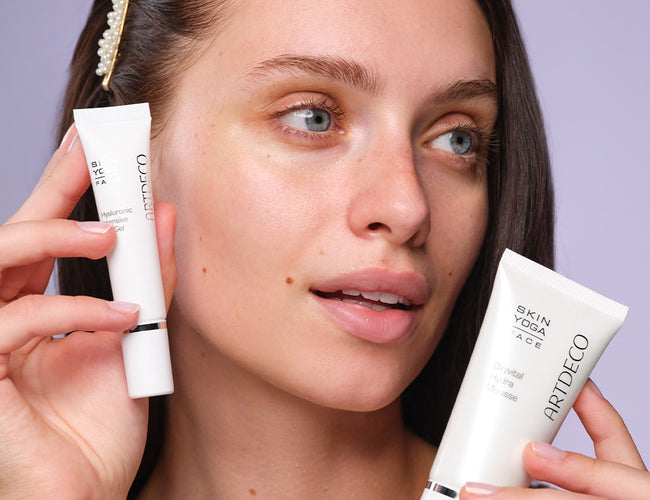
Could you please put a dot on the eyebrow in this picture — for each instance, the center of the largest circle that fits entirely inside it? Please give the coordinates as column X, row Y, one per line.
column 460, row 90
column 361, row 77
column 326, row 67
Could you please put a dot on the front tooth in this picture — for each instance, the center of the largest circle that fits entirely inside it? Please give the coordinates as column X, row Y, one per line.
column 372, row 295
column 389, row 298
column 353, row 293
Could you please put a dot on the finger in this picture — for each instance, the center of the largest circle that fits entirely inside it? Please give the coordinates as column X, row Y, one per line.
column 24, row 243
column 64, row 147
column 38, row 242
column 48, row 315
column 582, row 474
column 611, row 437
column 165, row 229
column 482, row 491
column 63, row 182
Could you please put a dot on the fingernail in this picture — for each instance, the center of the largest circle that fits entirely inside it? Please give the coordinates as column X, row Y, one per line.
column 480, row 489
column 595, row 387
column 548, row 451
column 93, row 226
column 73, row 141
column 124, row 307
column 67, row 134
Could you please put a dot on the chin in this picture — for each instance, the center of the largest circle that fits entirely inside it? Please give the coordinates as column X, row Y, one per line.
column 359, row 404
column 364, row 378
column 367, row 393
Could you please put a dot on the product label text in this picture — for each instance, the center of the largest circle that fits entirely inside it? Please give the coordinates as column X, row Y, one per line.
column 503, row 381
column 104, row 172
column 530, row 326
column 564, row 381
column 145, row 186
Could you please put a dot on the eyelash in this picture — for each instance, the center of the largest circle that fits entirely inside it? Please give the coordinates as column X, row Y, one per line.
column 323, row 103
column 484, row 137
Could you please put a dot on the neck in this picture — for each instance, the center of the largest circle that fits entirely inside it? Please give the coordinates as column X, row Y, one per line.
column 230, row 434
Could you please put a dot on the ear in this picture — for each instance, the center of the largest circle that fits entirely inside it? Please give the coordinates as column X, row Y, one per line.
column 165, row 213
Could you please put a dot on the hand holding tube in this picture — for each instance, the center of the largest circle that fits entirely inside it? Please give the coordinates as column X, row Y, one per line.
column 64, row 399
column 617, row 472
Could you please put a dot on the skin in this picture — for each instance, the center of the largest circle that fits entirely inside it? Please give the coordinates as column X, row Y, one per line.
column 261, row 204
column 271, row 211
column 289, row 404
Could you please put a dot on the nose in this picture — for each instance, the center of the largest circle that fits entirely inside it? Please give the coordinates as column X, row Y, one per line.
column 389, row 200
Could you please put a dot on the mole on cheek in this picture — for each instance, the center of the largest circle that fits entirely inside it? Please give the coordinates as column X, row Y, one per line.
column 204, row 270
column 289, row 280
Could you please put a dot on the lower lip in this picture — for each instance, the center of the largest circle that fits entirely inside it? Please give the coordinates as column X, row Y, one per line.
column 382, row 327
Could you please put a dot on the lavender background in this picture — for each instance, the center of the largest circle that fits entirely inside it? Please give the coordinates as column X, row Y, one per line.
column 591, row 60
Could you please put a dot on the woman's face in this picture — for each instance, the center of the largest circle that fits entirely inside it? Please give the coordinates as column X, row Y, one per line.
column 328, row 163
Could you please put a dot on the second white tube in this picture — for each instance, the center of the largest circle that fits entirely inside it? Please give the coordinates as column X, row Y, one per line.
column 540, row 339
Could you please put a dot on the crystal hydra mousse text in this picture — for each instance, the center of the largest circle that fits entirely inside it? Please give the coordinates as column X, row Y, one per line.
column 540, row 339
column 116, row 143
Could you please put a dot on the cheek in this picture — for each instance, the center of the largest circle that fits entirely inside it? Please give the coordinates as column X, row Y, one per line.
column 218, row 223
column 240, row 227
column 459, row 221
column 218, row 239
column 472, row 218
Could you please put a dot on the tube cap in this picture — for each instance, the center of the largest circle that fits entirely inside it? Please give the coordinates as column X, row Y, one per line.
column 147, row 363
column 435, row 491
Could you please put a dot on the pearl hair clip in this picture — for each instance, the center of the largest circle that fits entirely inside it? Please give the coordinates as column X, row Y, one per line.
column 110, row 41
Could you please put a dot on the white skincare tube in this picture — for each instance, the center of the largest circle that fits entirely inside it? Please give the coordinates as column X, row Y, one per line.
column 116, row 143
column 540, row 339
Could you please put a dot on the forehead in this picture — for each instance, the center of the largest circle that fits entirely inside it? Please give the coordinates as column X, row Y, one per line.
column 406, row 39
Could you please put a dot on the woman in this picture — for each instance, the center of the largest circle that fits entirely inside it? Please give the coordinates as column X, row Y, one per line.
column 376, row 152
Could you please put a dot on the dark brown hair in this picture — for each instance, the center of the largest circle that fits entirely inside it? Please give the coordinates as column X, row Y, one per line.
column 160, row 40
column 521, row 218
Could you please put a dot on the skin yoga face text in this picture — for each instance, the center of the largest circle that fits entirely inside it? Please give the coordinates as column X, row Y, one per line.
column 116, row 143
column 541, row 338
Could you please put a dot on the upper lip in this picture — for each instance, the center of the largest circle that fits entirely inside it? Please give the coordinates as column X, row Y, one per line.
column 407, row 284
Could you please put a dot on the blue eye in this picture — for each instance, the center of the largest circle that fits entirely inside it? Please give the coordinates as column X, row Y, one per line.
column 459, row 142
column 309, row 119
